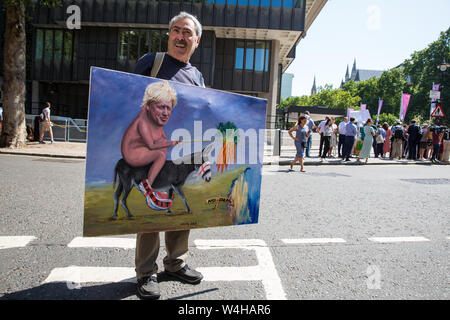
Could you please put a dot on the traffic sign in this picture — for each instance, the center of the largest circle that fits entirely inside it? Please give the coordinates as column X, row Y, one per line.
column 437, row 112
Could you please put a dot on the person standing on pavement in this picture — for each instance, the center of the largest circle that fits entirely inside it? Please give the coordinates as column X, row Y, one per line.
column 380, row 138
column 369, row 133
column 350, row 133
column 333, row 139
column 398, row 136
column 387, row 140
column 184, row 37
column 342, row 129
column 413, row 139
column 327, row 132
column 437, row 138
column 321, row 128
column 1, row 118
column 311, row 127
column 46, row 124
column 405, row 149
column 301, row 136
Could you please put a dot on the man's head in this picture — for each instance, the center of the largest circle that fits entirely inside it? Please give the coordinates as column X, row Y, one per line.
column 352, row 119
column 159, row 100
column 413, row 121
column 184, row 36
column 345, row 119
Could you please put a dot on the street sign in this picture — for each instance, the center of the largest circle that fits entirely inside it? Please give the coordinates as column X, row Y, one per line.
column 435, row 95
column 437, row 112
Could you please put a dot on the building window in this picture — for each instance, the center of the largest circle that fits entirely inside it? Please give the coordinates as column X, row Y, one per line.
column 39, row 44
column 55, row 44
column 252, row 55
column 262, row 3
column 133, row 44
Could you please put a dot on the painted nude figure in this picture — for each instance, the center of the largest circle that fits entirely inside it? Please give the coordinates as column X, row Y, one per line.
column 145, row 141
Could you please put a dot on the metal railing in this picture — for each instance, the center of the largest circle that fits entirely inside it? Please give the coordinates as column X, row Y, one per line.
column 65, row 128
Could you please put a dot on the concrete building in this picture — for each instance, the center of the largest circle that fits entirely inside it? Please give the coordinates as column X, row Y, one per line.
column 286, row 85
column 245, row 47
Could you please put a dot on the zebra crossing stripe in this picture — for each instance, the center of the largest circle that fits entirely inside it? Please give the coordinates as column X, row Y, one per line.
column 398, row 239
column 313, row 240
column 7, row 242
column 103, row 242
column 78, row 274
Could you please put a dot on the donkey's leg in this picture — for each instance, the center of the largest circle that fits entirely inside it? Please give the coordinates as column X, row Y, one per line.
column 116, row 196
column 179, row 190
column 169, row 212
column 123, row 202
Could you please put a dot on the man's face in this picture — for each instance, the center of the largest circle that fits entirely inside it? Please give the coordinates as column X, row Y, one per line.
column 159, row 112
column 183, row 40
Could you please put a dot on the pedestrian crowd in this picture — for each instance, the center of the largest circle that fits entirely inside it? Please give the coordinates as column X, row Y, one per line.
column 400, row 141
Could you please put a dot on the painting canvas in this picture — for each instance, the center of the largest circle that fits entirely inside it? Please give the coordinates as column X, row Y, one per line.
column 165, row 156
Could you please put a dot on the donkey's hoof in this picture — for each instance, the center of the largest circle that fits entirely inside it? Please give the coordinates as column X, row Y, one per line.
column 168, row 213
column 130, row 217
column 114, row 217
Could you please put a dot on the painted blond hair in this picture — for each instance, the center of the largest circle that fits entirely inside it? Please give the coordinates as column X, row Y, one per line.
column 157, row 91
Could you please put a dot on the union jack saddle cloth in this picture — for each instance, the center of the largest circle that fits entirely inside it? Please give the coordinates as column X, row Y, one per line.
column 155, row 200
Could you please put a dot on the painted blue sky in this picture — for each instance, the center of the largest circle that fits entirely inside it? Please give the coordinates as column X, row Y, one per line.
column 115, row 100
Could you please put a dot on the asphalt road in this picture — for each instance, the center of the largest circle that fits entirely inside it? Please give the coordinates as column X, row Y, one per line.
column 318, row 237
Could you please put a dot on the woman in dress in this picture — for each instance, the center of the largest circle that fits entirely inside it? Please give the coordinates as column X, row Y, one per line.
column 369, row 133
column 387, row 140
column 333, row 140
column 327, row 132
column 302, row 134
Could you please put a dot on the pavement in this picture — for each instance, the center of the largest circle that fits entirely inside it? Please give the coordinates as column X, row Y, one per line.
column 77, row 150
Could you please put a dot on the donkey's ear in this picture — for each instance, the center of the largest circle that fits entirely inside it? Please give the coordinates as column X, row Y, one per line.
column 206, row 151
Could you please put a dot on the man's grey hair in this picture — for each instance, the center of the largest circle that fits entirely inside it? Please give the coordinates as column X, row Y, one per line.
column 183, row 15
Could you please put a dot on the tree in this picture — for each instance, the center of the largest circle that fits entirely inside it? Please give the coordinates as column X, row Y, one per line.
column 14, row 72
column 389, row 118
column 422, row 71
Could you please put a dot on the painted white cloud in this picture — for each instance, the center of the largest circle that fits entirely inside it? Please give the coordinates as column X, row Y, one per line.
column 373, row 21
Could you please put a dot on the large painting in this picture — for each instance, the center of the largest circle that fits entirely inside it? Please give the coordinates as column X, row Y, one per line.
column 167, row 156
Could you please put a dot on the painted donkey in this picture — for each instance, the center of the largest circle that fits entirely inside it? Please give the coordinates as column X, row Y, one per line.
column 171, row 178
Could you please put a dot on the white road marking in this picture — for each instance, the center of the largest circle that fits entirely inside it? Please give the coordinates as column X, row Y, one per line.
column 265, row 271
column 398, row 239
column 313, row 240
column 7, row 242
column 103, row 242
column 78, row 274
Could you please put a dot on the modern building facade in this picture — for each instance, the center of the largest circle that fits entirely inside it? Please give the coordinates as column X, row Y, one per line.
column 245, row 47
column 286, row 85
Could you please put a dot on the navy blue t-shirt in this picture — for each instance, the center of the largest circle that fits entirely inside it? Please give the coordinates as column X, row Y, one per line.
column 171, row 69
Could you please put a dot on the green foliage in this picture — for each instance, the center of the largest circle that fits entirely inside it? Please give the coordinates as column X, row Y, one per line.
column 389, row 118
column 228, row 126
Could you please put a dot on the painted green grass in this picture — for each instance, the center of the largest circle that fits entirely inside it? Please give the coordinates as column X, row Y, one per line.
column 99, row 207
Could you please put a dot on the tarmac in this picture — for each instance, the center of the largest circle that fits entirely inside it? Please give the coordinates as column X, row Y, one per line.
column 77, row 150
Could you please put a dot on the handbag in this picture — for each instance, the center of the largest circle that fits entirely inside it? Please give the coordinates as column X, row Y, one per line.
column 380, row 139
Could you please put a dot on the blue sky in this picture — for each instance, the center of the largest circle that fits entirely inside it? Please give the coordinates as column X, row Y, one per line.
column 380, row 34
column 115, row 102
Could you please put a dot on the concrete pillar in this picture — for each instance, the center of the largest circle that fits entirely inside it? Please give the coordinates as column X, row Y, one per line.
column 272, row 95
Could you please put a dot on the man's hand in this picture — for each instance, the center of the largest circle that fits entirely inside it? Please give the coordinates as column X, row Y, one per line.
column 174, row 143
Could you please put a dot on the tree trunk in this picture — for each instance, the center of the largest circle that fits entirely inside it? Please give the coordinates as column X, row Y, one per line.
column 14, row 80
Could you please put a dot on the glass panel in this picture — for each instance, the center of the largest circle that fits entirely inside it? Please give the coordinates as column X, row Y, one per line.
column 231, row 2
column 300, row 3
column 58, row 45
column 123, row 45
column 143, row 42
column 239, row 61
column 220, row 1
column 243, row 2
column 249, row 55
column 39, row 43
column 265, row 3
column 276, row 3
column 133, row 45
column 254, row 2
column 259, row 56
column 288, row 3
column 75, row 46
column 267, row 58
column 48, row 47
column 67, row 46
column 164, row 40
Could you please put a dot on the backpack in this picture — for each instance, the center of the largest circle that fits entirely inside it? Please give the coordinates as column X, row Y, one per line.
column 398, row 133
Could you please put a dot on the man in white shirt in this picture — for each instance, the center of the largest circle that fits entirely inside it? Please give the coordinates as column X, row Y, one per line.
column 321, row 128
column 342, row 130
column 311, row 126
